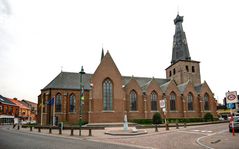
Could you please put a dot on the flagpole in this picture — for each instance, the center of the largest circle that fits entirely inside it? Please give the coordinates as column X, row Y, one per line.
column 53, row 120
column 41, row 110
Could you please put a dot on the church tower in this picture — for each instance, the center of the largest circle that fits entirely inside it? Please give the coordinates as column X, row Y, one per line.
column 182, row 68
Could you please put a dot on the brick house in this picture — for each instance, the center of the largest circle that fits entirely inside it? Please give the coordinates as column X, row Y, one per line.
column 8, row 110
column 108, row 95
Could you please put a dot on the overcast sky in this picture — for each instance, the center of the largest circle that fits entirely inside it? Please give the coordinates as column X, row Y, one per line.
column 38, row 38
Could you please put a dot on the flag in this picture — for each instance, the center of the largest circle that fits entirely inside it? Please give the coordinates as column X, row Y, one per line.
column 51, row 101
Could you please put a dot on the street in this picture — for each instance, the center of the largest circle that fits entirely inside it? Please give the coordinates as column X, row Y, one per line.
column 12, row 139
column 213, row 136
column 192, row 137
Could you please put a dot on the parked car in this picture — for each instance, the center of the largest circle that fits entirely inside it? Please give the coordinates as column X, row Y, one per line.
column 236, row 124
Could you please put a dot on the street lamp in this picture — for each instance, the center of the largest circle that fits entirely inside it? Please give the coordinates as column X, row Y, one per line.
column 81, row 96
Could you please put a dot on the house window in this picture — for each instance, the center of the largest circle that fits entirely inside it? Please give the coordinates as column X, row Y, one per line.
column 174, row 71
column 1, row 108
column 133, row 101
column 187, row 68
column 206, row 102
column 170, row 73
column 72, row 103
column 154, row 98
column 107, row 94
column 193, row 69
column 172, row 102
column 190, row 102
column 58, row 102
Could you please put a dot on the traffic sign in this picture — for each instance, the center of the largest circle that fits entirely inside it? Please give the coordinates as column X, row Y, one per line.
column 231, row 97
column 162, row 103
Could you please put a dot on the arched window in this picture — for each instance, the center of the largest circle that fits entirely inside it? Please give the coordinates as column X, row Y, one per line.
column 172, row 102
column 133, row 101
column 58, row 102
column 107, row 94
column 190, row 102
column 72, row 103
column 206, row 102
column 154, row 98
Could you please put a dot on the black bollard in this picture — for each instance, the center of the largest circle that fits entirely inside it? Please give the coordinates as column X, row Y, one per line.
column 90, row 134
column 176, row 125
column 39, row 129
column 72, row 131
column 18, row 127
column 156, row 128
column 60, row 131
column 50, row 129
column 167, row 127
column 30, row 128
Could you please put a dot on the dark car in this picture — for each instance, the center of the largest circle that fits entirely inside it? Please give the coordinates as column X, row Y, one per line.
column 236, row 124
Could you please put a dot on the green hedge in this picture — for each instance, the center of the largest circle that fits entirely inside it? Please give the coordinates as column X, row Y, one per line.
column 171, row 120
column 141, row 121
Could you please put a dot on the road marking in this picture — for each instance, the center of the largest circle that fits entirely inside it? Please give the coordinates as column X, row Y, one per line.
column 208, row 147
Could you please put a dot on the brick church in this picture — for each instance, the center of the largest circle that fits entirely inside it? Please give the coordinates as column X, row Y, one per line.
column 108, row 95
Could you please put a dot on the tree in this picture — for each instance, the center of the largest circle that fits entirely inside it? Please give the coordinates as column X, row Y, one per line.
column 157, row 120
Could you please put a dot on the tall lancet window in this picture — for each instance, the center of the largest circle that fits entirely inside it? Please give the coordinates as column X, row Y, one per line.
column 154, row 102
column 133, row 101
column 172, row 102
column 206, row 102
column 72, row 103
column 107, row 95
column 190, row 102
column 58, row 102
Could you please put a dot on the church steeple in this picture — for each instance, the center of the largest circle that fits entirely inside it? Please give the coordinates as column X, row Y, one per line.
column 180, row 47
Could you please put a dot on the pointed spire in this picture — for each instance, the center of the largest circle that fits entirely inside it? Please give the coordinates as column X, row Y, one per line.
column 102, row 54
column 180, row 47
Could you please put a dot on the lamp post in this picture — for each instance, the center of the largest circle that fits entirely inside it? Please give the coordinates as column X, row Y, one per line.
column 81, row 96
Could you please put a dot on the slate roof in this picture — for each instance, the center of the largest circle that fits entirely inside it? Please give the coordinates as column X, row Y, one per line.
column 4, row 100
column 69, row 80
column 144, row 81
column 180, row 46
column 198, row 88
column 182, row 87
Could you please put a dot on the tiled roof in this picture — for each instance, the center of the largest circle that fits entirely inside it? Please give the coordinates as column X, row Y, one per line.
column 18, row 103
column 4, row 100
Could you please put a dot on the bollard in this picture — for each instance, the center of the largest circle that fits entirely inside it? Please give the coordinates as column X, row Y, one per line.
column 156, row 128
column 90, row 134
column 185, row 124
column 18, row 127
column 39, row 129
column 50, row 129
column 30, row 128
column 167, row 128
column 60, row 131
column 176, row 125
column 72, row 131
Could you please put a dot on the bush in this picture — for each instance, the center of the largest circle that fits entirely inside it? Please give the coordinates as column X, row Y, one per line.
column 208, row 117
column 142, row 121
column 157, row 118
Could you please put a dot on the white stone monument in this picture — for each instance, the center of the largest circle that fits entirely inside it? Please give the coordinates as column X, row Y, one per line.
column 125, row 123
